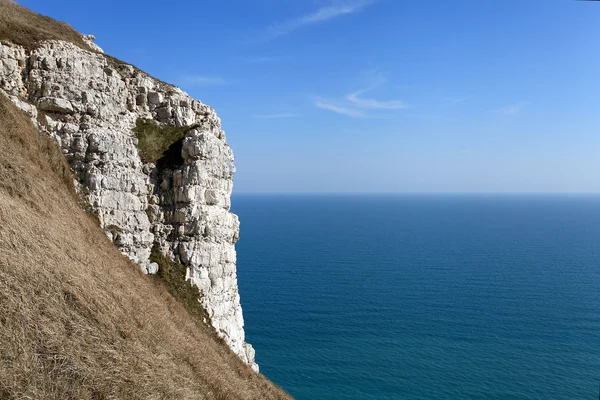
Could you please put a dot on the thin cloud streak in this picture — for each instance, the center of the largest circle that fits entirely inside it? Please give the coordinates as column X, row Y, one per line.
column 323, row 14
column 372, row 103
column 275, row 116
column 355, row 104
column 340, row 110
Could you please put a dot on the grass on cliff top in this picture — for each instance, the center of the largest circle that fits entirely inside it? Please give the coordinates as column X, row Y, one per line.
column 78, row 320
column 26, row 28
column 154, row 139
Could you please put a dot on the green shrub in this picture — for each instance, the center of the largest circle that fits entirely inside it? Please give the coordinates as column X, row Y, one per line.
column 172, row 274
column 154, row 139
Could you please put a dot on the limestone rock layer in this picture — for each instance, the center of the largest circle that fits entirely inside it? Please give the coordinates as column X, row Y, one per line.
column 89, row 103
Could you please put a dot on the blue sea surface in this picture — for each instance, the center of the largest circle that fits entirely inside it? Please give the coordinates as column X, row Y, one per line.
column 423, row 297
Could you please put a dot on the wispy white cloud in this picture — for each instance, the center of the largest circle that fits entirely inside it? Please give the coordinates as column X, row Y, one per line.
column 354, row 103
column 333, row 10
column 360, row 102
column 514, row 108
column 340, row 110
column 202, row 80
column 276, row 116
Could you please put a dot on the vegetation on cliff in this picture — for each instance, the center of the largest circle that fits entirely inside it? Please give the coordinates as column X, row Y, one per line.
column 154, row 139
column 173, row 276
column 26, row 28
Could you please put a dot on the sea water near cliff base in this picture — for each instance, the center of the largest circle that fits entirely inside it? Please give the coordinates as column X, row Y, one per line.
column 423, row 297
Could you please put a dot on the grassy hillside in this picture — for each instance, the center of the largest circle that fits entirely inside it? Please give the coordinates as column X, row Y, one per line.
column 77, row 319
column 22, row 26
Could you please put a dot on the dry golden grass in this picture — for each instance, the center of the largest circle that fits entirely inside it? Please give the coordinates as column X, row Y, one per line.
column 22, row 26
column 77, row 319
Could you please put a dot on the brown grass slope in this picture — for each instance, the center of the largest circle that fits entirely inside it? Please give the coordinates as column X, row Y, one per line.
column 26, row 28
column 77, row 319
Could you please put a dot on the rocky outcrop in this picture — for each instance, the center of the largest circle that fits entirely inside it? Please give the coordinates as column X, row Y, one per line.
column 90, row 103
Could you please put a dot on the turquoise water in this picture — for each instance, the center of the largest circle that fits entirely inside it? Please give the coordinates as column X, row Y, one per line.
column 423, row 297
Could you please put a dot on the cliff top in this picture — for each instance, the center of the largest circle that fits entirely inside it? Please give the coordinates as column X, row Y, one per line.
column 26, row 28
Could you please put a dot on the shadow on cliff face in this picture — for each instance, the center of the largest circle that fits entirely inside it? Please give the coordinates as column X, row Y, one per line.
column 171, row 158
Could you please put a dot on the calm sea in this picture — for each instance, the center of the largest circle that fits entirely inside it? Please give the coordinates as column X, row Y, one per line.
column 423, row 297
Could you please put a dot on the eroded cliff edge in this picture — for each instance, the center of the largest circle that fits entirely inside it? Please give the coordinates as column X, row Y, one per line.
column 179, row 205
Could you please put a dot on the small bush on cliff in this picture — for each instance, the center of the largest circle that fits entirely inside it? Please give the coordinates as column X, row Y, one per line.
column 173, row 274
column 154, row 139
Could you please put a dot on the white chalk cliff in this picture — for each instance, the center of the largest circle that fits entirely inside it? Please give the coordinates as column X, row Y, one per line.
column 89, row 103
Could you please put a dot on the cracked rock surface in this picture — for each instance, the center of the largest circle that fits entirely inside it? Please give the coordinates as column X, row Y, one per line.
column 89, row 103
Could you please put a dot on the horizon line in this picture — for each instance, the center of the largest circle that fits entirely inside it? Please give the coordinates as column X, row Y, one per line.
column 413, row 193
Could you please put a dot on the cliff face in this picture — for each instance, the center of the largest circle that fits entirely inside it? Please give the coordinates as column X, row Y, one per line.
column 179, row 205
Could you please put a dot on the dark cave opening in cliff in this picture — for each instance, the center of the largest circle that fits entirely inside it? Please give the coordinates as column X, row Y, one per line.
column 171, row 158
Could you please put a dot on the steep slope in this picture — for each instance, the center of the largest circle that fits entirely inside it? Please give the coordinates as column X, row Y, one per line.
column 151, row 162
column 23, row 27
column 78, row 320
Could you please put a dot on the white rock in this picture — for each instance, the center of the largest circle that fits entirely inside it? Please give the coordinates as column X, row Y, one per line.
column 57, row 105
column 89, row 40
column 155, row 98
column 152, row 268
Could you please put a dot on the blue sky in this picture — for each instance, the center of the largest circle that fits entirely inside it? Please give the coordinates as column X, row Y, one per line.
column 380, row 95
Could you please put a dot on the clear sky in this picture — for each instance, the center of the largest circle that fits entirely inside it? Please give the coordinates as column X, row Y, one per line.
column 380, row 95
